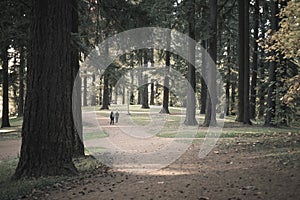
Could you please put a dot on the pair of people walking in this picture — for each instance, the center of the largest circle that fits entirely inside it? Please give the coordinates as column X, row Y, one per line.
column 113, row 116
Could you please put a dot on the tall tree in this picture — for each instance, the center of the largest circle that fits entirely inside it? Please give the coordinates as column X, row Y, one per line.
column 166, row 93
column 105, row 97
column 246, row 117
column 255, row 62
column 145, row 99
column 21, row 82
column 210, row 114
column 47, row 131
column 191, row 99
column 270, row 115
column 203, row 83
column 5, row 97
column 78, row 145
column 241, row 61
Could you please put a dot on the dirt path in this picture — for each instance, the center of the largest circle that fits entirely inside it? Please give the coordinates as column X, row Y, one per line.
column 257, row 168
column 264, row 168
column 9, row 149
column 238, row 168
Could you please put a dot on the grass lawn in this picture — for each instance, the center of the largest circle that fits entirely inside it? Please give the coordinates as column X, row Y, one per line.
column 12, row 189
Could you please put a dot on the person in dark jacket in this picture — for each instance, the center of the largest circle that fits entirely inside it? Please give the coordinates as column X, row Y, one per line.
column 112, row 118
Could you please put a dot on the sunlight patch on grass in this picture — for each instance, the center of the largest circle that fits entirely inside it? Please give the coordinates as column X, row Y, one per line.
column 94, row 135
column 94, row 150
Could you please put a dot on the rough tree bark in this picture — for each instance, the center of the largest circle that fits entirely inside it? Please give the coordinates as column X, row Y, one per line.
column 78, row 146
column 5, row 97
column 241, row 61
column 210, row 116
column 191, row 99
column 21, row 83
column 203, row 82
column 105, row 97
column 271, row 105
column 47, row 131
column 255, row 62
column 145, row 99
column 166, row 93
column 246, row 119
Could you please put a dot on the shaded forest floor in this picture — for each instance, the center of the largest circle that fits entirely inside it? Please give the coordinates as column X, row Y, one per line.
column 248, row 162
column 260, row 168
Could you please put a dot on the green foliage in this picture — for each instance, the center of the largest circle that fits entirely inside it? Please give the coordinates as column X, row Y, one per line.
column 285, row 41
column 12, row 189
column 292, row 100
column 17, row 189
column 94, row 135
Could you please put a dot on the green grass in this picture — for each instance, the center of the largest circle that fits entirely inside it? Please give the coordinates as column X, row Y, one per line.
column 10, row 136
column 13, row 132
column 94, row 150
column 15, row 189
column 11, row 189
column 16, row 121
column 94, row 135
column 232, row 133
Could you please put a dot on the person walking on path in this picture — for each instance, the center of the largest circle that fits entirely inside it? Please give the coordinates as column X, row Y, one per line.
column 112, row 120
column 117, row 117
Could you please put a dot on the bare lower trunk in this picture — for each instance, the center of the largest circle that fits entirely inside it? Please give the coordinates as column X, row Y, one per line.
column 5, row 104
column 47, row 131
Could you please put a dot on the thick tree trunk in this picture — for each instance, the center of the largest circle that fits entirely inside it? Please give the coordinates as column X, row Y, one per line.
column 132, row 102
column 165, row 108
column 21, row 83
column 116, row 93
column 110, row 94
column 93, row 96
column 47, row 131
column 191, row 99
column 140, row 78
column 105, row 93
column 152, row 94
column 227, row 94
column 203, row 82
column 241, row 61
column 5, row 97
column 100, row 91
column 105, row 96
column 270, row 115
column 76, row 84
column 228, row 80
column 210, row 116
column 145, row 99
column 246, row 119
column 261, row 93
column 255, row 62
